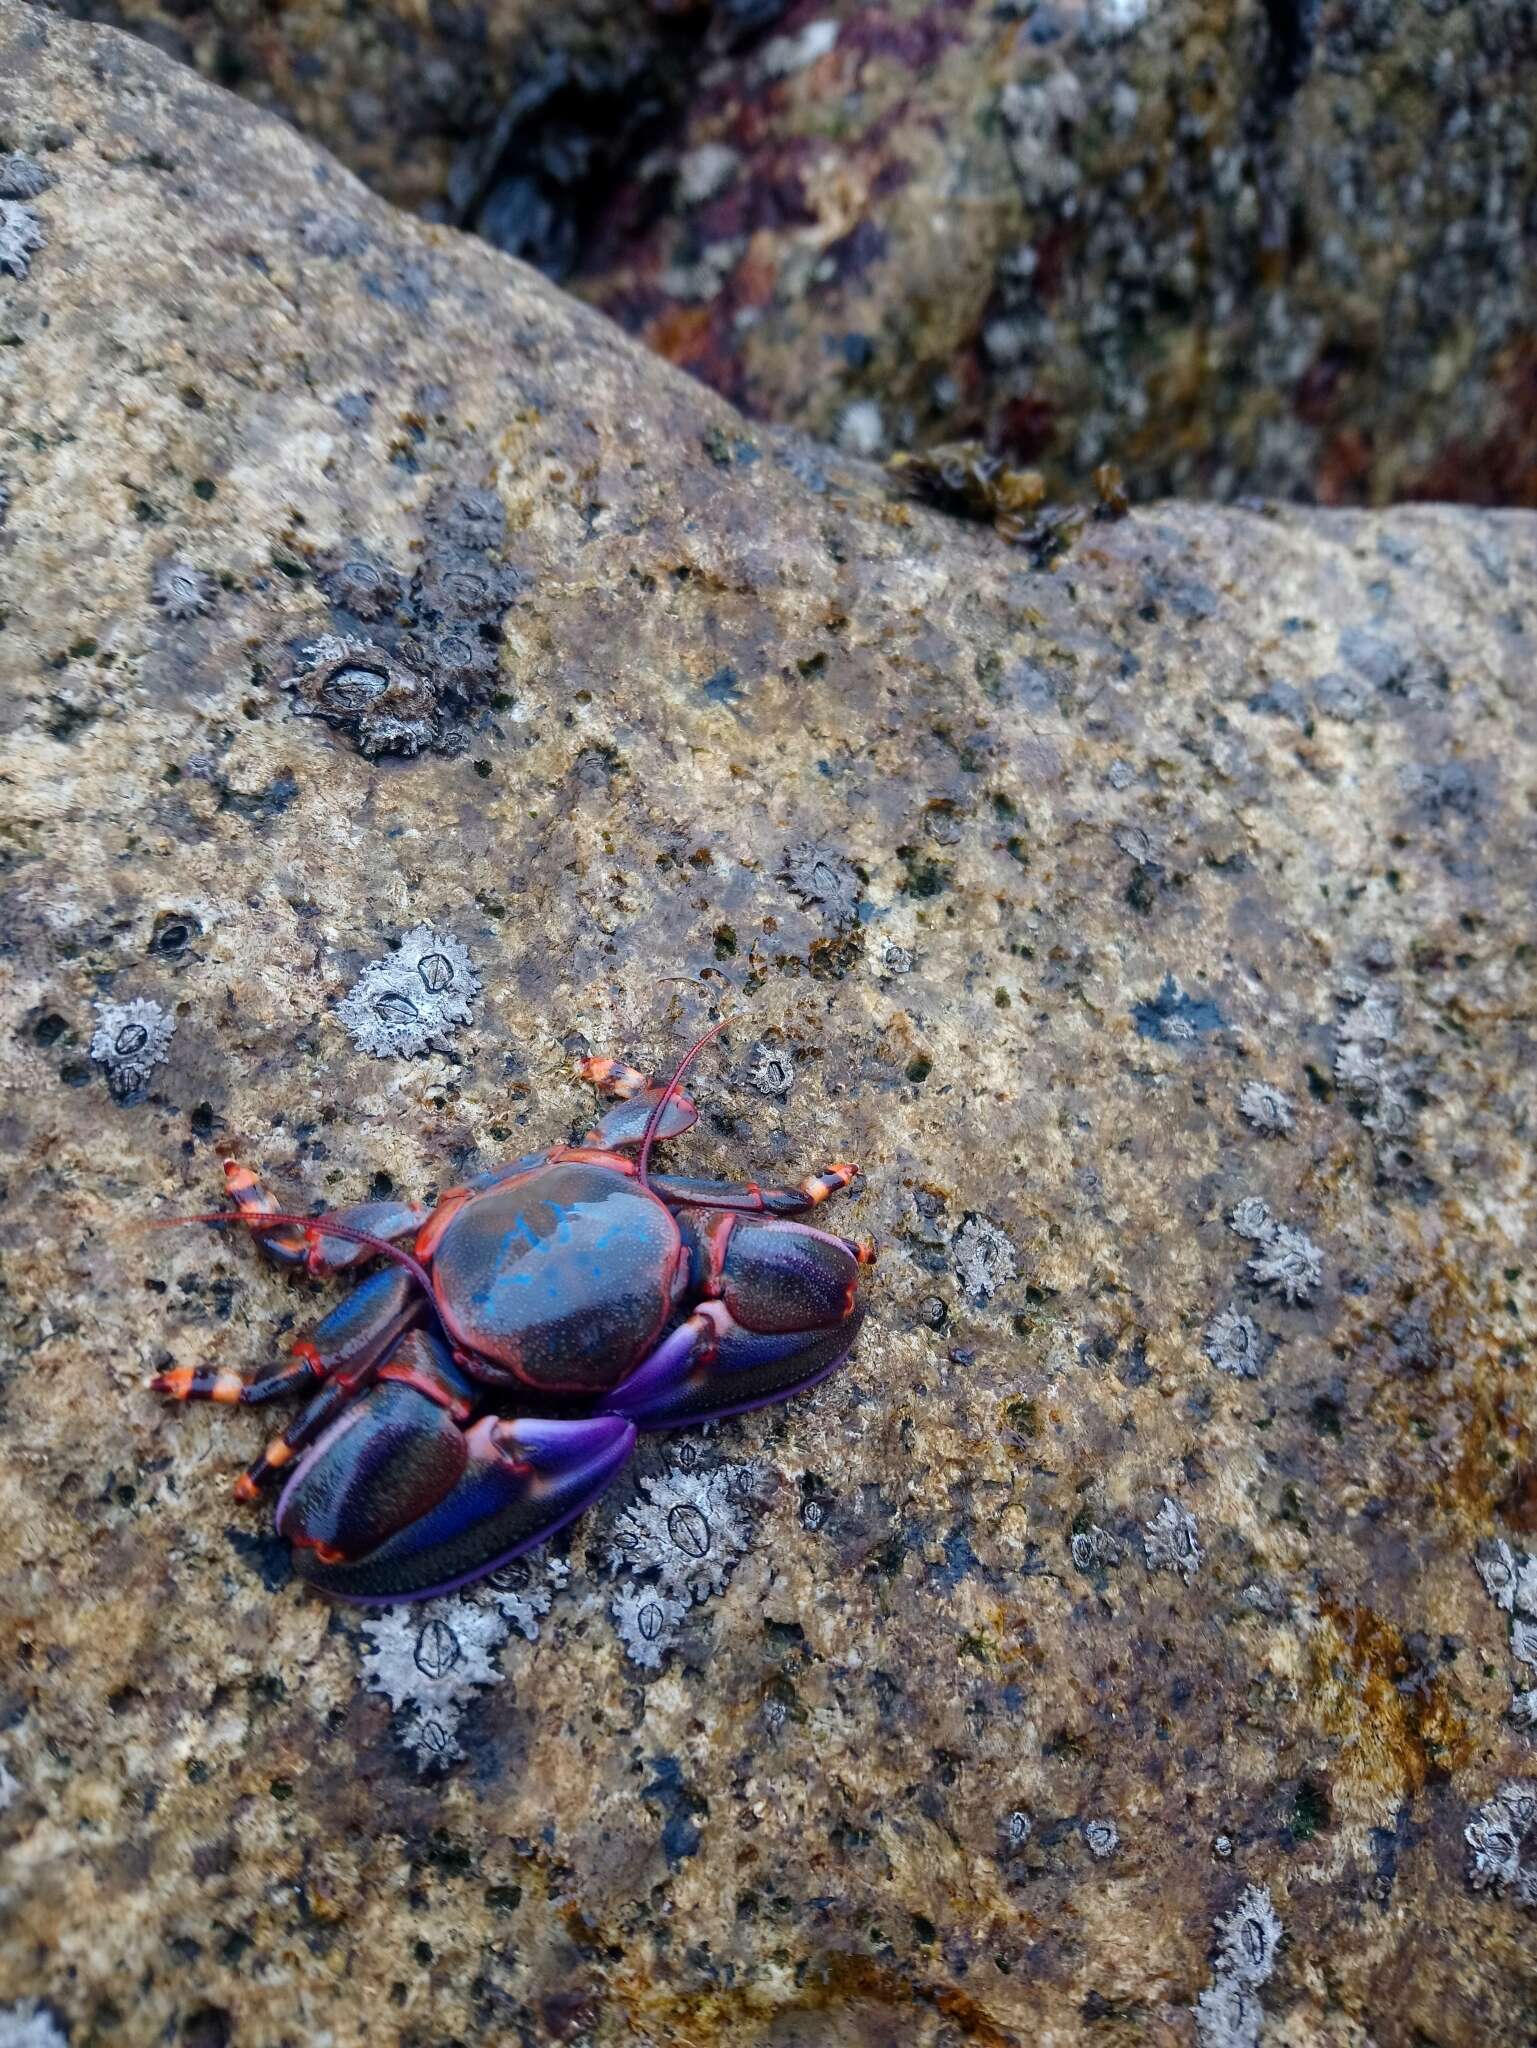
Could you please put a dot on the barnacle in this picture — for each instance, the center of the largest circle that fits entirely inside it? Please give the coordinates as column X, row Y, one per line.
column 130, row 1040
column 646, row 1620
column 465, row 516
column 1227, row 2015
column 21, row 176
column 821, row 878
column 1502, row 1843
column 1235, row 1343
column 1289, row 1262
column 1249, row 1938
column 1170, row 1543
column 1252, row 1219
column 388, row 707
column 463, row 587
column 22, row 234
column 770, row 1069
column 362, row 584
column 691, row 1530
column 1094, row 1547
column 1266, row 1108
column 984, row 1257
column 414, row 999
column 181, row 591
column 1103, row 1838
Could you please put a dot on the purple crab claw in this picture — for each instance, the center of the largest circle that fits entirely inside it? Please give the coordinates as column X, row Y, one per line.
column 396, row 1502
column 710, row 1366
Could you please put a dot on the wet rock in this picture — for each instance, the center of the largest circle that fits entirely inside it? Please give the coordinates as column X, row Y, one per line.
column 753, row 1778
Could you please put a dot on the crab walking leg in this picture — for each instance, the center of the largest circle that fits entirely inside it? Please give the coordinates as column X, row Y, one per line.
column 684, row 1192
column 371, row 1315
column 308, row 1244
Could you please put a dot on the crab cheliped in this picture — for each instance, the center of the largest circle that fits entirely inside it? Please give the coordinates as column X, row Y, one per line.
column 474, row 1393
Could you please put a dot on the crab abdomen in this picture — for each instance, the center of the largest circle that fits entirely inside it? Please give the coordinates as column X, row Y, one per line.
column 561, row 1279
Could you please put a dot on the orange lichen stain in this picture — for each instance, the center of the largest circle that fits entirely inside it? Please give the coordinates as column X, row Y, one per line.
column 680, row 333
column 836, row 1982
column 1391, row 1741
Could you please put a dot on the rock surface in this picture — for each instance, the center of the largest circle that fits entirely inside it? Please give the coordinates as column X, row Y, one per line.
column 1238, row 246
column 1155, row 931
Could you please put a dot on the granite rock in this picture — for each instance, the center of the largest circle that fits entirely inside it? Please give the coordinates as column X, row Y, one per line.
column 1036, row 1679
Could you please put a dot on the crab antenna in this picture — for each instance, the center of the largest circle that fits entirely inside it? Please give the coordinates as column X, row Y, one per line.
column 654, row 1121
column 322, row 1226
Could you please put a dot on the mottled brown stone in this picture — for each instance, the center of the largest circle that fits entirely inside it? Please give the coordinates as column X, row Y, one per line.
column 1228, row 796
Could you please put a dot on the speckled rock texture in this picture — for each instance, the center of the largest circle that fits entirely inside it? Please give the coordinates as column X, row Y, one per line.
column 1239, row 246
column 1121, row 1650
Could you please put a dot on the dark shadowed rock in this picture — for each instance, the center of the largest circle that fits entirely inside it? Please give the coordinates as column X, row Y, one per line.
column 1079, row 1653
column 1237, row 246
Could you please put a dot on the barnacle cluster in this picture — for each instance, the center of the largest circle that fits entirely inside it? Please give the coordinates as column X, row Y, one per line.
column 1284, row 1258
column 429, row 1661
column 431, row 654
column 414, row 999
column 1364, row 1067
column 1228, row 2012
column 130, row 1040
column 677, row 1545
column 1510, row 1580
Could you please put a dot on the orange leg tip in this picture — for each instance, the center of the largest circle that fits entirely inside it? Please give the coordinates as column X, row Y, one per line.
column 177, row 1382
column 867, row 1250
column 246, row 1489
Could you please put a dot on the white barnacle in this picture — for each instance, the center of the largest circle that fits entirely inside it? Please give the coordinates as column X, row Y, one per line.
column 1227, row 2015
column 415, row 999
column 646, row 1620
column 1249, row 1937
column 1266, row 1108
column 1523, row 1708
column 691, row 1530
column 1103, row 1838
column 181, row 591
column 1289, row 1262
column 22, row 234
column 428, row 1661
column 771, row 1069
column 1235, row 1343
column 130, row 1040
column 1496, row 1565
column 984, row 1258
column 1502, row 1843
column 1251, row 1218
column 1523, row 1641
column 1170, row 1542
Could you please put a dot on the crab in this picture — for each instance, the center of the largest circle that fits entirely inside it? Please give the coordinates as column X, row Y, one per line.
column 478, row 1390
